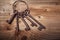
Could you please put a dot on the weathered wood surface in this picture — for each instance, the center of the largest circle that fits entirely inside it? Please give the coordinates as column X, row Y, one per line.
column 52, row 32
column 50, row 18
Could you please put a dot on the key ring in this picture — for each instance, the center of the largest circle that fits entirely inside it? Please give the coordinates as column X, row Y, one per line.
column 17, row 2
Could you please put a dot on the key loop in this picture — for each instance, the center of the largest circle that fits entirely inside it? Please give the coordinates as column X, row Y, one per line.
column 16, row 2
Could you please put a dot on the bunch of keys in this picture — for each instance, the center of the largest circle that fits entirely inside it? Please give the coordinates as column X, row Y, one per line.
column 21, row 10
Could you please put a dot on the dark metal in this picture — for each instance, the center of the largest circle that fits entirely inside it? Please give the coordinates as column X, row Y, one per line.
column 17, row 21
column 12, row 18
column 27, row 26
column 33, row 23
column 22, row 15
column 40, row 25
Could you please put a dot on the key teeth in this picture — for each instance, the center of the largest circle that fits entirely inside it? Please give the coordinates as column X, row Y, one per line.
column 33, row 25
column 41, row 27
column 27, row 29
